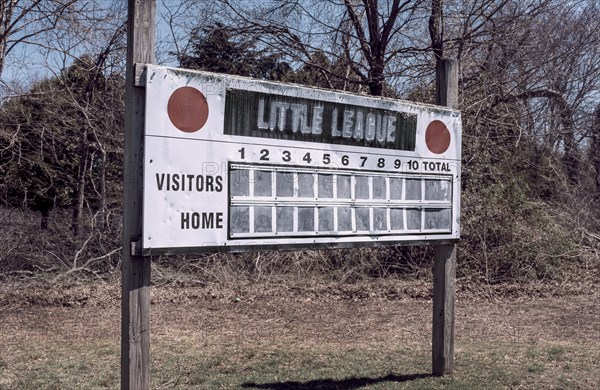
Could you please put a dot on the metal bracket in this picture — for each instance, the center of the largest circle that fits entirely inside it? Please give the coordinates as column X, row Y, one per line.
column 136, row 248
column 140, row 72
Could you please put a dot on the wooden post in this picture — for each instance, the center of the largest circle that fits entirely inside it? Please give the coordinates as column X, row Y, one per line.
column 446, row 83
column 135, row 298
column 444, row 263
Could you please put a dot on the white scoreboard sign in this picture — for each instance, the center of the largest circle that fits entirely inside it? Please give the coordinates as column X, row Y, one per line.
column 234, row 164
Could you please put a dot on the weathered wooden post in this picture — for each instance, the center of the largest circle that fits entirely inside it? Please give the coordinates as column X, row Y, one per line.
column 444, row 265
column 135, row 299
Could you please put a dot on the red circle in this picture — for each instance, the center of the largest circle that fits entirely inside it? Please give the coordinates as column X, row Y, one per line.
column 187, row 109
column 437, row 137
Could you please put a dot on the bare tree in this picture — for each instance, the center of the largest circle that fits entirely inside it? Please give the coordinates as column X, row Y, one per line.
column 517, row 56
column 86, row 42
column 96, row 68
column 436, row 29
column 21, row 21
column 179, row 20
column 594, row 148
column 369, row 41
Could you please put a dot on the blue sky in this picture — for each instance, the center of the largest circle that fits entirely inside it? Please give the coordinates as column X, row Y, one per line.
column 29, row 63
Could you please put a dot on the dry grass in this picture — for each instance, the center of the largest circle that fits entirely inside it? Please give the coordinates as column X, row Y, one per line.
column 276, row 337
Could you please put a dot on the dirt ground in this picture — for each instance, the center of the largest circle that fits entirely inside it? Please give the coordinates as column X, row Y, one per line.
column 384, row 311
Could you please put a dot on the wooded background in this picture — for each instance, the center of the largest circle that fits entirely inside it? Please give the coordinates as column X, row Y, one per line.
column 529, row 82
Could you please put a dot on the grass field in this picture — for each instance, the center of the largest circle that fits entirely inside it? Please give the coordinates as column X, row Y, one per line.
column 279, row 341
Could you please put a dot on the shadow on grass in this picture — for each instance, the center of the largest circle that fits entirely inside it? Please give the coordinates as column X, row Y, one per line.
column 330, row 384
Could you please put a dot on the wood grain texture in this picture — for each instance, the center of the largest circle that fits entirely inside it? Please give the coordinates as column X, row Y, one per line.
column 446, row 81
column 444, row 274
column 444, row 264
column 135, row 302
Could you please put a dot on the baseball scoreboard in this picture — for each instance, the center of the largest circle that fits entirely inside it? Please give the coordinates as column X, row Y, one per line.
column 236, row 164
